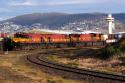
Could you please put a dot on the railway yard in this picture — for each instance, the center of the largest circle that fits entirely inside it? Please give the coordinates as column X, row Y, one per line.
column 62, row 58
column 15, row 68
column 73, row 50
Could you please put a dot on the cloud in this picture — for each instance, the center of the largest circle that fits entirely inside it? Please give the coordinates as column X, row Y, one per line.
column 24, row 3
column 68, row 2
column 52, row 2
column 1, row 19
column 4, row 17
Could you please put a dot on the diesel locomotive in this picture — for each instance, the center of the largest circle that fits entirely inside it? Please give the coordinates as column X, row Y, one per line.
column 34, row 40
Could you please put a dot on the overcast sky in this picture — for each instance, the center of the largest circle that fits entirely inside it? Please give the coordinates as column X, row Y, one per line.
column 11, row 8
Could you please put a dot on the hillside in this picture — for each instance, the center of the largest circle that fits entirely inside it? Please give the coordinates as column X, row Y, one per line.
column 61, row 21
column 29, row 19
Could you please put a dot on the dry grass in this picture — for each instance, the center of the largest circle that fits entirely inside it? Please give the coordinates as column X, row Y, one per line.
column 84, row 58
column 15, row 69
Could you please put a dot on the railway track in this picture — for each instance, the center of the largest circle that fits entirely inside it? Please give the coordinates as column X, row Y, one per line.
column 41, row 60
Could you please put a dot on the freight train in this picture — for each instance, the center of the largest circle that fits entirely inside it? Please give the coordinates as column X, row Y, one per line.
column 34, row 40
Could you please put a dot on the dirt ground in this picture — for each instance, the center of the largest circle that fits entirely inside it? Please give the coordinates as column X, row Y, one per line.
column 15, row 69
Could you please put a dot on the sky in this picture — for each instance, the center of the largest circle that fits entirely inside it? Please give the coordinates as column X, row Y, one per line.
column 12, row 8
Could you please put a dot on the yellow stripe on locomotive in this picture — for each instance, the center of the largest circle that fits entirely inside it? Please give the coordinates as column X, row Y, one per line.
column 22, row 40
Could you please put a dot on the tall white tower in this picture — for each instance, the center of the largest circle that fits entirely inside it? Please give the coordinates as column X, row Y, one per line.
column 110, row 20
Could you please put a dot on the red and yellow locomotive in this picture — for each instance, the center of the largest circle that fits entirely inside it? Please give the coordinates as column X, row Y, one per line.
column 56, row 38
column 31, row 40
column 59, row 40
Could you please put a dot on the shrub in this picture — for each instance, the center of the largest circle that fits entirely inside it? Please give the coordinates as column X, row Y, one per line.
column 110, row 51
column 122, row 44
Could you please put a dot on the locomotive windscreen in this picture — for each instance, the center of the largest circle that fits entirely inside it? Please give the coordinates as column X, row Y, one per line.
column 20, row 35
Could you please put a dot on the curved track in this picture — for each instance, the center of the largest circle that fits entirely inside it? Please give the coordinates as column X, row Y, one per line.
column 41, row 60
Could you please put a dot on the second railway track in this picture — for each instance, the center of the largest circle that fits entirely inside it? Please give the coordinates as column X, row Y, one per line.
column 41, row 60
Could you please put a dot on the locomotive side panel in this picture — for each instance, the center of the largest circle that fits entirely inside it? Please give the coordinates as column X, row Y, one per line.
column 85, row 37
